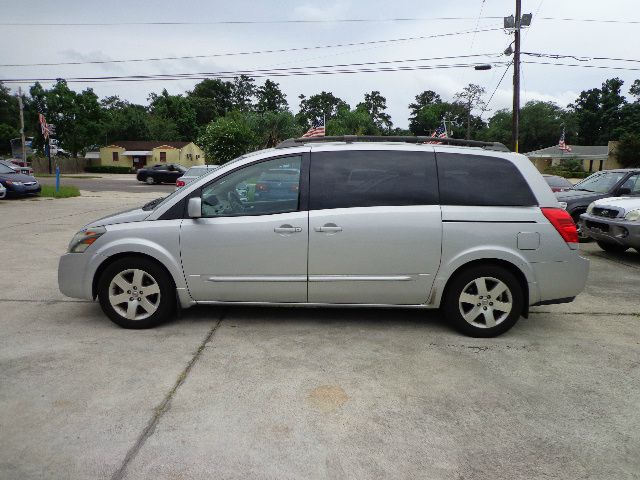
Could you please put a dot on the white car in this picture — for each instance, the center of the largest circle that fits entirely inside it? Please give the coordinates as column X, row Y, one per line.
column 614, row 223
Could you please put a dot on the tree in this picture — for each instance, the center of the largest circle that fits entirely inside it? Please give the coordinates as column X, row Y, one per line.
column 628, row 150
column 320, row 107
column 227, row 138
column 211, row 99
column 243, row 93
column 7, row 132
column 76, row 116
column 270, row 128
column 471, row 98
column 123, row 120
column 9, row 110
column 271, row 98
column 424, row 99
column 430, row 117
column 598, row 113
column 352, row 122
column 375, row 104
column 174, row 109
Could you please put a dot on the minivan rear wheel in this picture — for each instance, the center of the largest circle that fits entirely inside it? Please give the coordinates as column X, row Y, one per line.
column 136, row 293
column 484, row 301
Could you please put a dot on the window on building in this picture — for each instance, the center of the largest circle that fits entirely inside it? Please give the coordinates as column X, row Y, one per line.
column 163, row 156
column 369, row 178
column 114, row 156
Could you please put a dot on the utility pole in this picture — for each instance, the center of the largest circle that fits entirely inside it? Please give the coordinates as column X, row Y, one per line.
column 516, row 24
column 24, row 147
column 516, row 79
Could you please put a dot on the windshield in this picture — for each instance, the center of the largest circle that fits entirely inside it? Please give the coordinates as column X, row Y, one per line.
column 600, row 182
column 5, row 169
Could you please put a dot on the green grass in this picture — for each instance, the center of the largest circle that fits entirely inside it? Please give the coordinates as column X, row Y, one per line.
column 52, row 175
column 66, row 191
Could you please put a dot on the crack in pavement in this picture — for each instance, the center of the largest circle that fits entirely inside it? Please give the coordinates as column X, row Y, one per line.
column 161, row 409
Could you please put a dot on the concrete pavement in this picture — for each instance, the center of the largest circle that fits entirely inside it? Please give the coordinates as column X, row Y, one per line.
column 306, row 393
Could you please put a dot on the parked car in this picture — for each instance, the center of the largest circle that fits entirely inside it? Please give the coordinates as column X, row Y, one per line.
column 193, row 173
column 3, row 191
column 607, row 183
column 161, row 173
column 18, row 184
column 558, row 183
column 280, row 183
column 614, row 223
column 18, row 168
column 405, row 231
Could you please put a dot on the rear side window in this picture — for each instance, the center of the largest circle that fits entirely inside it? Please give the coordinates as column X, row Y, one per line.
column 371, row 178
column 482, row 181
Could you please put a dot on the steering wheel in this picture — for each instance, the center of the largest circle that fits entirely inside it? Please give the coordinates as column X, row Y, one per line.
column 234, row 201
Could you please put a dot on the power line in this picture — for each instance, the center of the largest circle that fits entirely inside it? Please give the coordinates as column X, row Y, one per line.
column 238, row 22
column 287, row 73
column 254, row 52
column 476, row 27
column 579, row 58
column 504, row 74
column 581, row 65
column 281, row 21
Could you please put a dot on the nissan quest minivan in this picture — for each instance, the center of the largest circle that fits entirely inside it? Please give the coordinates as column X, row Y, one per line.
column 463, row 226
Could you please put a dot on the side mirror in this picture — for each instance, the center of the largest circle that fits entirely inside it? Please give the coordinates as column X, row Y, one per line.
column 194, row 207
column 624, row 191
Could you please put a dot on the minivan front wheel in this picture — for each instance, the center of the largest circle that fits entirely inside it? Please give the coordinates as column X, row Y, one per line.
column 136, row 293
column 484, row 301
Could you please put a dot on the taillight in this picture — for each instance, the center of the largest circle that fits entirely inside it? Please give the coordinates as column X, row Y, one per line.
column 563, row 223
column 180, row 183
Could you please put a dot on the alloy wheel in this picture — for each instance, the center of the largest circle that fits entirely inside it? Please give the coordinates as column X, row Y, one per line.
column 485, row 302
column 134, row 294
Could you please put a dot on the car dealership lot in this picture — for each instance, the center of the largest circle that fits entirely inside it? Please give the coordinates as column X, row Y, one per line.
column 242, row 392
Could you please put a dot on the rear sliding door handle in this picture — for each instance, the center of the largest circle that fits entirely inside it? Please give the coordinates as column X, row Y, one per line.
column 328, row 228
column 287, row 229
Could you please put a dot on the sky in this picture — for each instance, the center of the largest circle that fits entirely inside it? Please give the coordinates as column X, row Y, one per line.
column 561, row 84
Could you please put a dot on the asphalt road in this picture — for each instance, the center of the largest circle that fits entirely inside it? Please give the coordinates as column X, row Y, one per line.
column 109, row 183
column 306, row 393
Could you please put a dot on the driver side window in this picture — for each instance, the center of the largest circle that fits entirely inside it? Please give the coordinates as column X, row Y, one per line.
column 260, row 189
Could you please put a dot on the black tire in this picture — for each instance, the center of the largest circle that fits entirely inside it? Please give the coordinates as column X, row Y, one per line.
column 461, row 284
column 582, row 237
column 165, row 302
column 612, row 247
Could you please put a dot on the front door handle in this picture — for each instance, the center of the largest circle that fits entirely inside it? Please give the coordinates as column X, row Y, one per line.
column 328, row 228
column 287, row 229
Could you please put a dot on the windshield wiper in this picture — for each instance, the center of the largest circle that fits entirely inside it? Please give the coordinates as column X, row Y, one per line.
column 583, row 189
column 152, row 204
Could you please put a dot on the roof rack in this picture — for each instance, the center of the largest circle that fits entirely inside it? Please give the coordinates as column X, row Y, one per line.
column 293, row 142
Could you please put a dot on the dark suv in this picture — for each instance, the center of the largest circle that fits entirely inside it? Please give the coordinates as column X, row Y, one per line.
column 607, row 183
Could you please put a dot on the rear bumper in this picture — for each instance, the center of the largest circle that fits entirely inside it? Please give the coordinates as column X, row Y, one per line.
column 613, row 230
column 561, row 282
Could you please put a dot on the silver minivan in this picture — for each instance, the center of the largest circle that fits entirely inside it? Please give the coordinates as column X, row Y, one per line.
column 467, row 227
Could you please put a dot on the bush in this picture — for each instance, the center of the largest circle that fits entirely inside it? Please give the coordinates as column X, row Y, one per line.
column 565, row 173
column 628, row 150
column 108, row 169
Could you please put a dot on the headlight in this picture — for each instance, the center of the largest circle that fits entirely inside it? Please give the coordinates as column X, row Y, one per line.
column 590, row 207
column 563, row 205
column 633, row 216
column 10, row 182
column 84, row 238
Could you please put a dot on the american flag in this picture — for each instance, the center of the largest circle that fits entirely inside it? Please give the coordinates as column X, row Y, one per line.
column 440, row 132
column 316, row 130
column 44, row 126
column 562, row 144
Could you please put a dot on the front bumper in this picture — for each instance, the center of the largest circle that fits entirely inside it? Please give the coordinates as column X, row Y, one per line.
column 613, row 230
column 19, row 190
column 75, row 274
